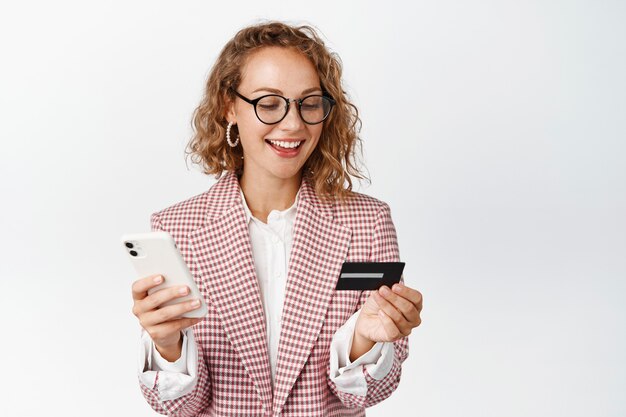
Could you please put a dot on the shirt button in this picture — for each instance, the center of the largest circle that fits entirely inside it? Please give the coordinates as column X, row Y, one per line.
column 274, row 239
column 278, row 274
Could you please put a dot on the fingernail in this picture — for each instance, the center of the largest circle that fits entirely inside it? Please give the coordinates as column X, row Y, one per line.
column 195, row 303
column 396, row 287
column 384, row 290
column 157, row 279
column 182, row 290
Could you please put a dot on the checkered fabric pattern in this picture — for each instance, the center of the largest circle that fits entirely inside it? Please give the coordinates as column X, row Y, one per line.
column 211, row 232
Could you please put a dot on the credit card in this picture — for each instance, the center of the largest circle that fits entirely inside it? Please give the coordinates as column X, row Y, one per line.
column 369, row 275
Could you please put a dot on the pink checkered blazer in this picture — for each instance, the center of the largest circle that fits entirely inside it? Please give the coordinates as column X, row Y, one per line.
column 233, row 364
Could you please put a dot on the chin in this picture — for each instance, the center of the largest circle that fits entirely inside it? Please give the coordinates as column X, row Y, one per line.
column 286, row 173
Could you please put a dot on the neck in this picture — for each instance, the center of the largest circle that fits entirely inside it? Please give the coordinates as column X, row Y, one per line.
column 266, row 194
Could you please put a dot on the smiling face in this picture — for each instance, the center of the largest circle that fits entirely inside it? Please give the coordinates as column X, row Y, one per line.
column 275, row 70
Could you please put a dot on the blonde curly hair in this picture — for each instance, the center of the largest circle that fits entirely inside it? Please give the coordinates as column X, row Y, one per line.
column 332, row 162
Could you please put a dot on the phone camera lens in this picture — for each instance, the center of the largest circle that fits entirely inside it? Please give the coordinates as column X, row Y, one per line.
column 129, row 245
column 132, row 252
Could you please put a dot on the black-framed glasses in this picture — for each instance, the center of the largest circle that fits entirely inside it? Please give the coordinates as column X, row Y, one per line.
column 272, row 108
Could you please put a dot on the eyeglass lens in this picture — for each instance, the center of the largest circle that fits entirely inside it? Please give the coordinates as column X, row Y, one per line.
column 314, row 109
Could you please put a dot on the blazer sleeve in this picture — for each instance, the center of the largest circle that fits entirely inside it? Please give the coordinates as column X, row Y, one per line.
column 190, row 404
column 384, row 249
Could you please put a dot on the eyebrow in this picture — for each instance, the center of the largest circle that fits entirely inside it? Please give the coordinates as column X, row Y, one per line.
column 276, row 91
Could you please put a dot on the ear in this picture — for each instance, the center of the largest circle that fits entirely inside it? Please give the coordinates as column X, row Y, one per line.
column 229, row 110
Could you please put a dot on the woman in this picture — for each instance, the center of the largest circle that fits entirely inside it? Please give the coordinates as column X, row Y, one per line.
column 266, row 244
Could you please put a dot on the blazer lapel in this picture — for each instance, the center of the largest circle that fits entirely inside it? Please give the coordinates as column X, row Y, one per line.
column 223, row 254
column 319, row 247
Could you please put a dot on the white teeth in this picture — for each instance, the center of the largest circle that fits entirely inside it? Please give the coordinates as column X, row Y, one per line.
column 286, row 144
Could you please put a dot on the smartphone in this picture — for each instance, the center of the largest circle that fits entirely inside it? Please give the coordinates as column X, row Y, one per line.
column 155, row 253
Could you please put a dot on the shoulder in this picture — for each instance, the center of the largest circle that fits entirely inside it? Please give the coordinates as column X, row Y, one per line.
column 362, row 210
column 374, row 236
column 187, row 214
column 195, row 211
column 364, row 201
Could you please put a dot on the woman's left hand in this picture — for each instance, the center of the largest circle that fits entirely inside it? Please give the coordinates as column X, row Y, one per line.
column 389, row 315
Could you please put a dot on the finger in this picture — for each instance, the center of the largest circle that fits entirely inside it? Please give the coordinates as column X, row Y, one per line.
column 174, row 311
column 164, row 295
column 410, row 294
column 141, row 286
column 175, row 325
column 185, row 322
column 406, row 307
column 397, row 317
column 392, row 331
column 168, row 328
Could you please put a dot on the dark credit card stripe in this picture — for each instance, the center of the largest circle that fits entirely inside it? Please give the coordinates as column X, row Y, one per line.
column 359, row 284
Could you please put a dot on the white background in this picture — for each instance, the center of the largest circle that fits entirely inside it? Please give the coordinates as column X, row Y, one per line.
column 494, row 129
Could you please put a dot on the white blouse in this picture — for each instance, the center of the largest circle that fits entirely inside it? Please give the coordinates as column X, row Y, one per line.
column 271, row 246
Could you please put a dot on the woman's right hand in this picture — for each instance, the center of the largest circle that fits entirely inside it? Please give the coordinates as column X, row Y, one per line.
column 161, row 323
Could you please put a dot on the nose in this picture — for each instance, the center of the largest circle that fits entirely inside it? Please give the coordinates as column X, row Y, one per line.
column 292, row 120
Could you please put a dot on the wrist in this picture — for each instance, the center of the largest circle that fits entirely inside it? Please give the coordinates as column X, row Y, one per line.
column 360, row 346
column 171, row 353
